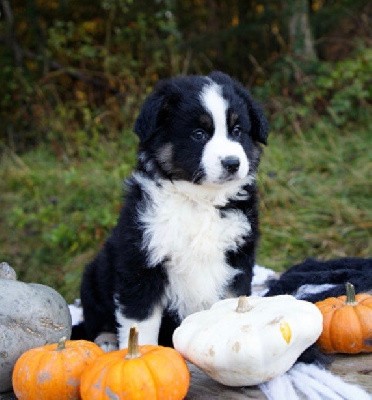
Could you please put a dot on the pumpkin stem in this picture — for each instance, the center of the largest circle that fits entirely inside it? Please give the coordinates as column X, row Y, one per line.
column 350, row 293
column 243, row 305
column 61, row 343
column 133, row 348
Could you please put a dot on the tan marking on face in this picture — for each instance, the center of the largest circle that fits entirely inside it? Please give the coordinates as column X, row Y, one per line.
column 206, row 122
column 164, row 156
column 233, row 118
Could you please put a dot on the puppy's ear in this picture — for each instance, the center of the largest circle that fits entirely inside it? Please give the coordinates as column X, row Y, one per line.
column 260, row 125
column 155, row 110
column 147, row 121
column 220, row 78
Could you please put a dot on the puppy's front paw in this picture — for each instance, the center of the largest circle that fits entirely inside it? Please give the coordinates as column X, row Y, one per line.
column 107, row 341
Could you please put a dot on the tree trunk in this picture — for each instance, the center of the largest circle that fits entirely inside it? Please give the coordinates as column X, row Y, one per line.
column 300, row 37
column 10, row 38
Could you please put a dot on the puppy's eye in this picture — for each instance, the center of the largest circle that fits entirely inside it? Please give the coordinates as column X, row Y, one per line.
column 236, row 132
column 199, row 135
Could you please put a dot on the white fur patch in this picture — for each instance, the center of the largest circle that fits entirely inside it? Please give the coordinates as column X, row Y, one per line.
column 148, row 328
column 220, row 146
column 183, row 226
column 76, row 311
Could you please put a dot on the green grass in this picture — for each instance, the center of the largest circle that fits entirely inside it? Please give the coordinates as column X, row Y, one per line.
column 315, row 193
column 57, row 212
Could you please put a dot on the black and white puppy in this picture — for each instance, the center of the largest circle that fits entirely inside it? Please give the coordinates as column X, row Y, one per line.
column 187, row 234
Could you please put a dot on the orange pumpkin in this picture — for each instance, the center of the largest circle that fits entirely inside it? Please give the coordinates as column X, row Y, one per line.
column 347, row 323
column 53, row 371
column 137, row 373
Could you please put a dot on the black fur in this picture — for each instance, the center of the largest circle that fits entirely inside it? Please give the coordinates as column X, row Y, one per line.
column 169, row 115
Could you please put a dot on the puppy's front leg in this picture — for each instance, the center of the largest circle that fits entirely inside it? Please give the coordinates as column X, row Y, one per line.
column 148, row 328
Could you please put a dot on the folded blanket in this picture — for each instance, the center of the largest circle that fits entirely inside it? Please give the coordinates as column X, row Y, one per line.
column 315, row 280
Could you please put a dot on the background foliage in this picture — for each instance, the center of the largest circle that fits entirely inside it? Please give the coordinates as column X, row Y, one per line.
column 73, row 76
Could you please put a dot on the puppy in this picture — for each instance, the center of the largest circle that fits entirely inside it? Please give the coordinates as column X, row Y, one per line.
column 187, row 234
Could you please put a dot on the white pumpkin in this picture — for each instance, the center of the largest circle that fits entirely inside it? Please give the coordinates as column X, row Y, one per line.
column 250, row 340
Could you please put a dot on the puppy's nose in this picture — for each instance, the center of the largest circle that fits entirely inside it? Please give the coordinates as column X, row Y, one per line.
column 231, row 164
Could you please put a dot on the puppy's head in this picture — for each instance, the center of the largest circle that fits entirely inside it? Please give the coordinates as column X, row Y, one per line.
column 202, row 129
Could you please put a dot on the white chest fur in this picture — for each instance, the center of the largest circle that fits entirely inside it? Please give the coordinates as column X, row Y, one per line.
column 184, row 228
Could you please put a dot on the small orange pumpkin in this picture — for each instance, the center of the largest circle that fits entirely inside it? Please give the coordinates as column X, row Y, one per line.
column 53, row 371
column 347, row 323
column 138, row 373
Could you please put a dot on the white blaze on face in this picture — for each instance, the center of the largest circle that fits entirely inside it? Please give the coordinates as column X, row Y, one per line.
column 220, row 146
